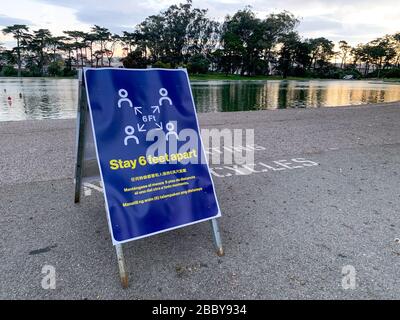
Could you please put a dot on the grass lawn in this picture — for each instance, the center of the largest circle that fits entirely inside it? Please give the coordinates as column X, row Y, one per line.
column 391, row 79
column 222, row 76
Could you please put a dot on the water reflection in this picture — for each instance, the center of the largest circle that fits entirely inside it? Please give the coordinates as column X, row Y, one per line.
column 37, row 98
column 43, row 98
column 212, row 96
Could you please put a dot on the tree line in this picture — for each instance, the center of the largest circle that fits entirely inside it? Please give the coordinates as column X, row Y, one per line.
column 184, row 36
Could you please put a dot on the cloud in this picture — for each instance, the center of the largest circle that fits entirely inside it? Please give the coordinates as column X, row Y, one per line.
column 319, row 23
column 7, row 21
column 115, row 14
column 9, row 44
column 115, row 21
column 327, row 26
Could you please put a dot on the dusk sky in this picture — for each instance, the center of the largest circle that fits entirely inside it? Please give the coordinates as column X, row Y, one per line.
column 352, row 20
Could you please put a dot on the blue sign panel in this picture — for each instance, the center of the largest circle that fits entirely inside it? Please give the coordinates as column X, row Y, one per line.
column 151, row 158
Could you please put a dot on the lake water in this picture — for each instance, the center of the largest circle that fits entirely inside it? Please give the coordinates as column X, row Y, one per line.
column 39, row 98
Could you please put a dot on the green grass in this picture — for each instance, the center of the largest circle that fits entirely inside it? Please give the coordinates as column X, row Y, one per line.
column 38, row 77
column 221, row 76
column 391, row 79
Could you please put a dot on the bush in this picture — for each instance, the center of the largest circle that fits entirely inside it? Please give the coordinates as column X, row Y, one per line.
column 392, row 73
column 198, row 64
column 9, row 71
column 374, row 74
column 55, row 69
column 135, row 60
column 69, row 72
column 389, row 73
column 160, row 64
column 333, row 72
column 261, row 68
column 300, row 72
column 32, row 70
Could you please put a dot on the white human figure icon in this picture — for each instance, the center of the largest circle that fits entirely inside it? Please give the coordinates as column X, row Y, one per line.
column 129, row 130
column 171, row 130
column 124, row 98
column 164, row 93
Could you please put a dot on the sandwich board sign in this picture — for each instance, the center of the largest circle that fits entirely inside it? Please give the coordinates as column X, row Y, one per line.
column 149, row 153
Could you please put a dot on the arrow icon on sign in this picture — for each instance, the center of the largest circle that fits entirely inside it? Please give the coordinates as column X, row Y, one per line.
column 160, row 127
column 140, row 128
column 137, row 109
column 155, row 109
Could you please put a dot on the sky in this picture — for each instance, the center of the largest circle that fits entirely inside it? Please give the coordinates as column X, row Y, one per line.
column 356, row 21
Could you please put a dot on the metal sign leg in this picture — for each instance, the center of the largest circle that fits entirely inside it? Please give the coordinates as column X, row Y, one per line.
column 121, row 265
column 217, row 237
column 81, row 119
column 80, row 142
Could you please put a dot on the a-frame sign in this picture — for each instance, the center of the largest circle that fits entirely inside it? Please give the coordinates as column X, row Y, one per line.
column 137, row 131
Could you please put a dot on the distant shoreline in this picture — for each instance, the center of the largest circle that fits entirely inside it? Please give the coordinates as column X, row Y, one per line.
column 220, row 76
column 323, row 109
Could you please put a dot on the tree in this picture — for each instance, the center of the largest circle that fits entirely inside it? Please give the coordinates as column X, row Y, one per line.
column 290, row 43
column 128, row 39
column 135, row 60
column 110, row 46
column 277, row 27
column 202, row 34
column 55, row 44
column 321, row 52
column 359, row 56
column 89, row 40
column 3, row 58
column 55, row 68
column 250, row 44
column 345, row 50
column 68, row 48
column 9, row 71
column 101, row 35
column 381, row 53
column 198, row 63
column 184, row 35
column 151, row 38
column 177, row 19
column 18, row 31
column 98, row 55
column 174, row 35
column 6, row 57
column 240, row 40
column 38, row 44
column 396, row 40
column 79, row 43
